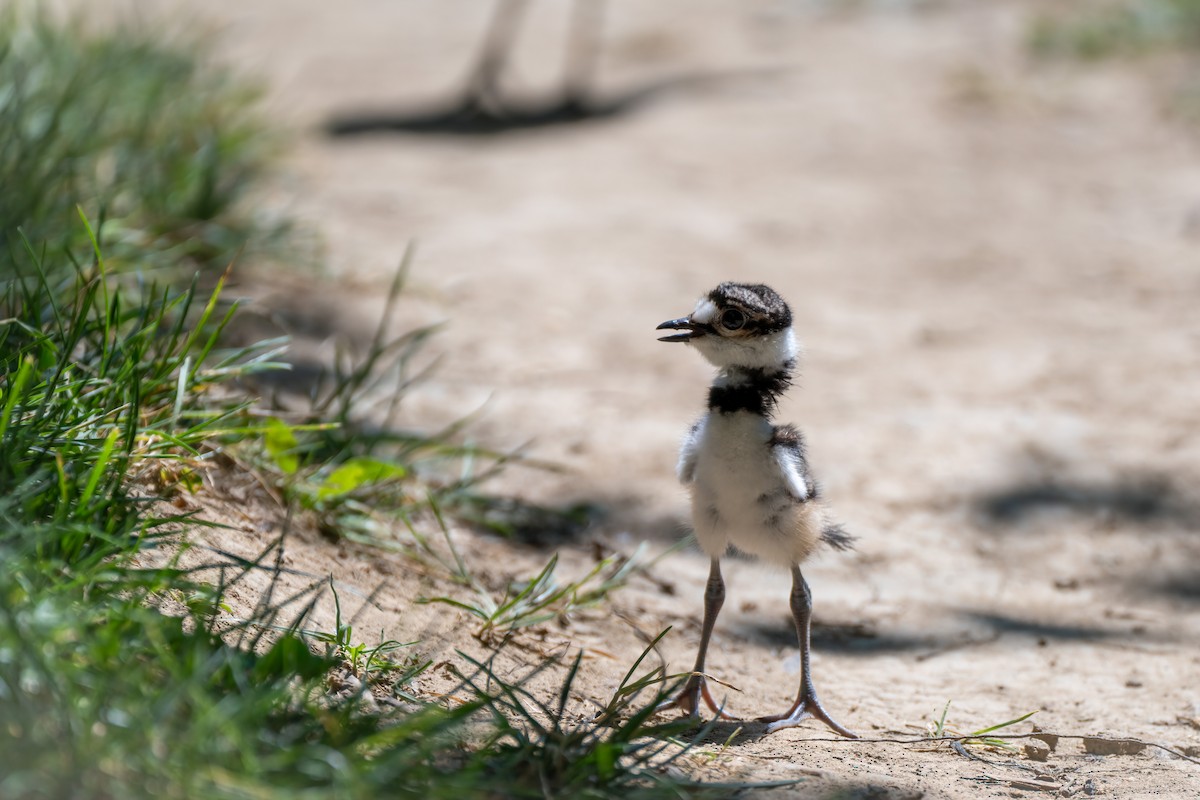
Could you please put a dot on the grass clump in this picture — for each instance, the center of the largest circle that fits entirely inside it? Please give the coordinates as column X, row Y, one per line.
column 97, row 689
column 101, row 694
column 113, row 395
column 1162, row 35
column 541, row 598
column 537, row 744
column 938, row 729
column 1121, row 28
column 139, row 130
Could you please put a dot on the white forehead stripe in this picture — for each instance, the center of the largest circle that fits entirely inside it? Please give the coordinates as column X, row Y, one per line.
column 705, row 313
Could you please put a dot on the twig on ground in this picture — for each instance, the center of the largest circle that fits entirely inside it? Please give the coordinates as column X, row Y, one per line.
column 1028, row 785
column 957, row 746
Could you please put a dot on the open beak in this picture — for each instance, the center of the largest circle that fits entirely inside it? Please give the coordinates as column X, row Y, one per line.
column 685, row 324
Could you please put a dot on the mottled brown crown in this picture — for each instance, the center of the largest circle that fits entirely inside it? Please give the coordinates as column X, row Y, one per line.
column 765, row 310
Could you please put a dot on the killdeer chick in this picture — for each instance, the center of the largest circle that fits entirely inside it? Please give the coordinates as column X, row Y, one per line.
column 750, row 483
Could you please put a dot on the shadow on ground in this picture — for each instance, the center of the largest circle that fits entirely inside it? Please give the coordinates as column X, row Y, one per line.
column 822, row 785
column 1145, row 500
column 538, row 526
column 1007, row 624
column 984, row 627
column 1183, row 586
column 473, row 118
column 858, row 638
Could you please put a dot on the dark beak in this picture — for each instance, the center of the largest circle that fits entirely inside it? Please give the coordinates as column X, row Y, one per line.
column 684, row 324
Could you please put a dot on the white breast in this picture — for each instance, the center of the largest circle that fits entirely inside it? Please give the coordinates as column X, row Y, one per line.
column 742, row 494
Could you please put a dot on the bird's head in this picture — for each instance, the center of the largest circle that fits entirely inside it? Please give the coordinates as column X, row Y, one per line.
column 739, row 325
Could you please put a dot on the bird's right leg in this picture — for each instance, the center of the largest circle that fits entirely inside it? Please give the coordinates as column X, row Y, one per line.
column 696, row 688
column 583, row 52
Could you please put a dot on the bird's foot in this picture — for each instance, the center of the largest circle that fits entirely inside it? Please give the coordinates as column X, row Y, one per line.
column 688, row 699
column 805, row 707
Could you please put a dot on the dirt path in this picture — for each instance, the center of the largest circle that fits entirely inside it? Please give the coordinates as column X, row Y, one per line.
column 993, row 268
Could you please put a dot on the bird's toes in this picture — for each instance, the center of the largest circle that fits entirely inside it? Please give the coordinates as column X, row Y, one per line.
column 791, row 719
column 686, row 701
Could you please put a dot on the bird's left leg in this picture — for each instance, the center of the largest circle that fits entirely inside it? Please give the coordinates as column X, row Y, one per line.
column 583, row 51
column 807, row 705
column 696, row 688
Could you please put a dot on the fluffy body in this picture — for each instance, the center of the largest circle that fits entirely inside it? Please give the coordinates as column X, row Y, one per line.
column 750, row 489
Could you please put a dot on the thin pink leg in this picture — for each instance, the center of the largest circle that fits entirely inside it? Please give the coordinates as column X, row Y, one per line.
column 807, row 705
column 696, row 688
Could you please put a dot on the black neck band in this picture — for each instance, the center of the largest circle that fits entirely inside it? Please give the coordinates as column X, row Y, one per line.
column 754, row 390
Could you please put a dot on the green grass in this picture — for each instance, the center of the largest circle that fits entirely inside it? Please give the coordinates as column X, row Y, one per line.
column 122, row 157
column 619, row 754
column 348, row 458
column 1162, row 35
column 96, row 687
column 539, row 599
column 1118, row 28
column 99, row 689
column 938, row 729
column 133, row 125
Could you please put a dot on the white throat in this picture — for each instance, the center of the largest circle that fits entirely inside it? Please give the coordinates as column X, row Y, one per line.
column 775, row 351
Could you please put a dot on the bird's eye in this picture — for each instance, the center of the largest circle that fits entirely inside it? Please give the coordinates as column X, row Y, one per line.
column 733, row 320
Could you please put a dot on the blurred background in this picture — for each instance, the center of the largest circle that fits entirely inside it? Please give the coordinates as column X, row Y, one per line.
column 986, row 218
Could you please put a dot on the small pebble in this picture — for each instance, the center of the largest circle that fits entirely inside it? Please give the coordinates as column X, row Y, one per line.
column 1037, row 751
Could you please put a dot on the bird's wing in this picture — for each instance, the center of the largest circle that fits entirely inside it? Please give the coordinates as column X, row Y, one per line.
column 686, row 469
column 793, row 475
column 787, row 445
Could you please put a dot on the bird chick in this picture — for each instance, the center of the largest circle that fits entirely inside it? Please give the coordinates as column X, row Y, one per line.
column 750, row 482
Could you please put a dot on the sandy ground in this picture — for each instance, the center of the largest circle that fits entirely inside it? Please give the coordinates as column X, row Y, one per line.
column 993, row 266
